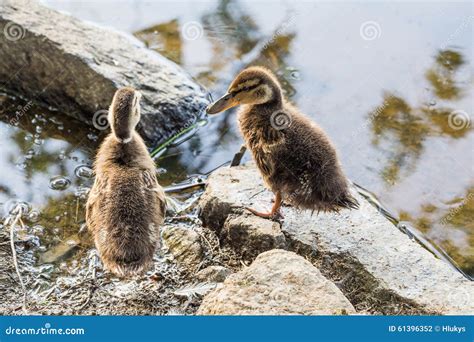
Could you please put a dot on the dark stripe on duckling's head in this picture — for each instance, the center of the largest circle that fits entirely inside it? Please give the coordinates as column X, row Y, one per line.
column 245, row 86
column 254, row 78
column 124, row 113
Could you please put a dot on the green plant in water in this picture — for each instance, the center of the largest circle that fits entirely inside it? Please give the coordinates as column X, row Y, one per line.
column 193, row 128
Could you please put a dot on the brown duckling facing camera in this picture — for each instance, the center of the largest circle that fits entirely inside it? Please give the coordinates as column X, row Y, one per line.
column 295, row 157
column 126, row 205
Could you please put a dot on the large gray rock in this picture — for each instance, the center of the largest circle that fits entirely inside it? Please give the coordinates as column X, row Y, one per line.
column 229, row 190
column 184, row 244
column 213, row 274
column 250, row 235
column 61, row 251
column 379, row 268
column 76, row 67
column 277, row 283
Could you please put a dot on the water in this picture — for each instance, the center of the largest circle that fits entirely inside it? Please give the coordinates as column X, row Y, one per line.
column 392, row 85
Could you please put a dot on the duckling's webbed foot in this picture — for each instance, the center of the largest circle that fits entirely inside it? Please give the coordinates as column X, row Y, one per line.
column 274, row 214
column 270, row 215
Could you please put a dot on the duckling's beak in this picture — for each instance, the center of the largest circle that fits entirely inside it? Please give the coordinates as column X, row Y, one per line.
column 225, row 102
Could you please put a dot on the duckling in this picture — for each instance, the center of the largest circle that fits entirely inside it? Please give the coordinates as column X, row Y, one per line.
column 295, row 157
column 126, row 205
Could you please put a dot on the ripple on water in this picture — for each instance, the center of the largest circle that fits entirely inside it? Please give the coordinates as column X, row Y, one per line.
column 37, row 229
column 33, row 216
column 30, row 154
column 83, row 171
column 10, row 206
column 59, row 183
column 81, row 192
column 38, row 141
column 92, row 137
column 21, row 165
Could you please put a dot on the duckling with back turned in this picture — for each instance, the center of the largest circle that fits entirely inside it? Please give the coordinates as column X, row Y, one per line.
column 295, row 157
column 126, row 205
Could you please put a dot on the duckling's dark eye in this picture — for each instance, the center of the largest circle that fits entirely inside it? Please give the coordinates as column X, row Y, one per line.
column 252, row 87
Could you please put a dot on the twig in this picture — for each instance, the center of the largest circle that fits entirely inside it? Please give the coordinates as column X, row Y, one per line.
column 19, row 211
column 92, row 285
column 238, row 156
column 207, row 241
column 8, row 242
column 94, row 267
column 87, row 301
column 257, row 193
column 48, row 292
column 77, row 209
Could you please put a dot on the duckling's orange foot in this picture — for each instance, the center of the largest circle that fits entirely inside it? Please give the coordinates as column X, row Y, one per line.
column 272, row 215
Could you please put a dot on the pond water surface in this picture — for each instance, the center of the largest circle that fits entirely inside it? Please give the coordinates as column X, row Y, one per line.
column 392, row 84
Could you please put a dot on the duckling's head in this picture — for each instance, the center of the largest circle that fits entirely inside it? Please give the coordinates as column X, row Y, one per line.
column 124, row 113
column 253, row 86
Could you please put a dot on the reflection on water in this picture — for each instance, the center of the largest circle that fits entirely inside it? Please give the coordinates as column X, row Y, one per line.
column 398, row 105
column 40, row 152
column 412, row 125
column 441, row 76
column 163, row 38
column 451, row 226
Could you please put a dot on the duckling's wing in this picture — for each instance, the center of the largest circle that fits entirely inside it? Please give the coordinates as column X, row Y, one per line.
column 272, row 138
column 151, row 183
column 94, row 199
column 149, row 180
column 264, row 151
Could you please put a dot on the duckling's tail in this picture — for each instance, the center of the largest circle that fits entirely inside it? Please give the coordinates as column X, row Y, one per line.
column 126, row 269
column 348, row 201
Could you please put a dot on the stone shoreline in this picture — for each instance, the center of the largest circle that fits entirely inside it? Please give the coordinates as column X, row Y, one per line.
column 376, row 267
